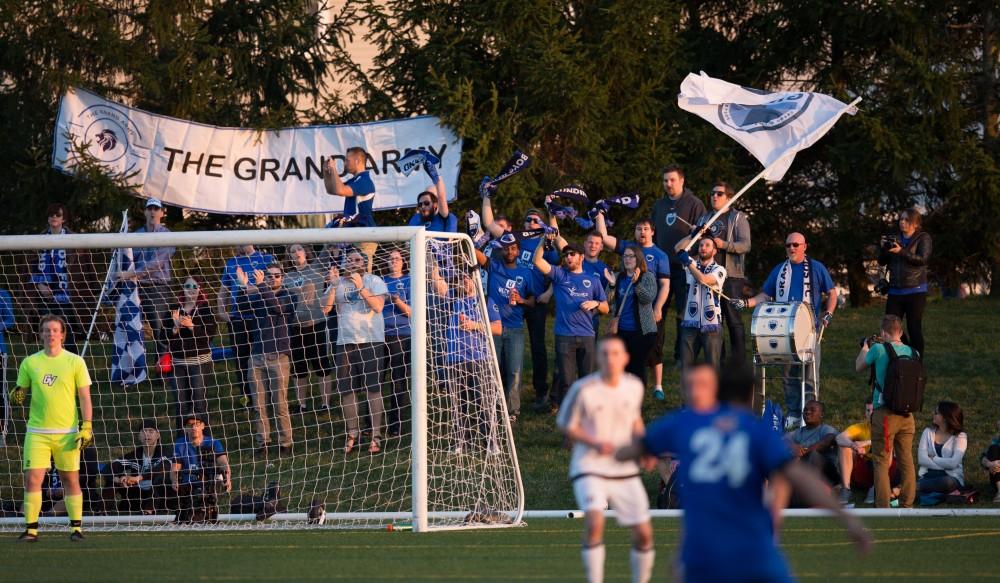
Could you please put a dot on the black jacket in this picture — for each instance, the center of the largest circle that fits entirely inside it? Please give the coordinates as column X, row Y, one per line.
column 908, row 268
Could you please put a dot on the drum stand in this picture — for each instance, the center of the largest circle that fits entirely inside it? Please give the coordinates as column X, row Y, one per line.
column 760, row 371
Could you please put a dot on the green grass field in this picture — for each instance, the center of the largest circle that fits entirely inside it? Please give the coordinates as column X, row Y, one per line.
column 962, row 363
column 952, row 549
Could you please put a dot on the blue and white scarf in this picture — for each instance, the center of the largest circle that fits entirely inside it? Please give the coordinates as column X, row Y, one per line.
column 703, row 310
column 784, row 287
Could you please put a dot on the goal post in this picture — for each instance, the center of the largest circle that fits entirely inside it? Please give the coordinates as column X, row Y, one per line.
column 427, row 417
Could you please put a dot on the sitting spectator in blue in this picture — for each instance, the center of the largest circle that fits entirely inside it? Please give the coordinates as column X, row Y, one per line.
column 199, row 462
column 467, row 355
column 140, row 478
column 432, row 205
column 815, row 443
column 940, row 451
column 991, row 462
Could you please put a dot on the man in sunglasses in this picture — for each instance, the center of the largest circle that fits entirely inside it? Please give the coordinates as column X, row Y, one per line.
column 798, row 279
column 731, row 233
column 536, row 315
column 51, row 276
column 432, row 206
column 270, row 364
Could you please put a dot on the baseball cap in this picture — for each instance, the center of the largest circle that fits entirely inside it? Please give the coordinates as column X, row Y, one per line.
column 507, row 239
column 572, row 248
column 154, row 202
column 193, row 417
column 534, row 211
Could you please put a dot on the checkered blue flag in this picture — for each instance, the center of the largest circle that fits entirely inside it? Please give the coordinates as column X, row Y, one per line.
column 128, row 363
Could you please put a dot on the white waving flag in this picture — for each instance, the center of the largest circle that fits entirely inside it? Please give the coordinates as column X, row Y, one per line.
column 772, row 126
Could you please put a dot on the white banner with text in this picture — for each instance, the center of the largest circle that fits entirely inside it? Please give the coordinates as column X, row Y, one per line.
column 246, row 171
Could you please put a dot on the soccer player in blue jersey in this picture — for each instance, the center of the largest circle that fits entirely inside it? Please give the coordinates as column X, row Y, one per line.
column 726, row 454
column 658, row 263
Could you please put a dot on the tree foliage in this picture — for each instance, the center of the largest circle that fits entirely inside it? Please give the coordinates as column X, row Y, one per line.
column 588, row 89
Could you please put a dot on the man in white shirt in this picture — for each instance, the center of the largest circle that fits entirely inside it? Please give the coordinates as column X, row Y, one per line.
column 600, row 414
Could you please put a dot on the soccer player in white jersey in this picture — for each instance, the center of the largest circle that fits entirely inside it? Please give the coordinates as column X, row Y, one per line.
column 600, row 414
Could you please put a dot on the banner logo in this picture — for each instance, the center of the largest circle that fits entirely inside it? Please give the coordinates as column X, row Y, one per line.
column 770, row 116
column 108, row 133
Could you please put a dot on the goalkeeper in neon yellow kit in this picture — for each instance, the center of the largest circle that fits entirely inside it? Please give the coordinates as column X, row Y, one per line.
column 55, row 378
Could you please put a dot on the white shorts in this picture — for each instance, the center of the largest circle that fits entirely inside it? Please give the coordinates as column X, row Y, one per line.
column 626, row 496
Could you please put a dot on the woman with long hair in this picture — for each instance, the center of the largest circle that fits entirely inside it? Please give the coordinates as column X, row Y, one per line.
column 941, row 449
column 632, row 309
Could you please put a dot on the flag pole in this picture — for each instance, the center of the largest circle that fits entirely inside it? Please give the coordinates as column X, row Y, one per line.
column 790, row 152
column 104, row 288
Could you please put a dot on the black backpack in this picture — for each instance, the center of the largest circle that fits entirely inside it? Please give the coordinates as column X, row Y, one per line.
column 905, row 380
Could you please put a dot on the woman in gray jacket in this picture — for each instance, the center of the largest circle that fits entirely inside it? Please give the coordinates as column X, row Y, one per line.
column 632, row 309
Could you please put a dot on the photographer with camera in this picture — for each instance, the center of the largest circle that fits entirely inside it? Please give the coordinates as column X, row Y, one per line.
column 200, row 472
column 905, row 256
column 892, row 432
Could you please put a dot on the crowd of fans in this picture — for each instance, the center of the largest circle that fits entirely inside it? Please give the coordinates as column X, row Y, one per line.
column 335, row 314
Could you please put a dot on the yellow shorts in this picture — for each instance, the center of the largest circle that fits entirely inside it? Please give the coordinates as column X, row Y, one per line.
column 41, row 448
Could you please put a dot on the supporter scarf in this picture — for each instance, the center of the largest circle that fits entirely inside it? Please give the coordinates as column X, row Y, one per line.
column 785, row 282
column 51, row 267
column 415, row 159
column 573, row 193
column 560, row 212
column 703, row 311
column 518, row 162
column 627, row 200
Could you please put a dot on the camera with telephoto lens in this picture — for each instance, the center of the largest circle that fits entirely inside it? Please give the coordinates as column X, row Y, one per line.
column 871, row 340
column 888, row 242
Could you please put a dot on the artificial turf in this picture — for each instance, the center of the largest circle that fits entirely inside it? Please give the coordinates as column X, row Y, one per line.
column 945, row 549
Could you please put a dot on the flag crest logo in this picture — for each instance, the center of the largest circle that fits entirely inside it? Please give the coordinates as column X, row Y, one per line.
column 769, row 116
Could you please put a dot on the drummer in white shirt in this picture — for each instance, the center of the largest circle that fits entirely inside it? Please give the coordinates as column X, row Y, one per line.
column 798, row 279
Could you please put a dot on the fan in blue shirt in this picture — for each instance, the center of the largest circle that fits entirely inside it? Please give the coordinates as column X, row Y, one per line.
column 432, row 206
column 725, row 455
column 578, row 294
column 509, row 284
column 358, row 192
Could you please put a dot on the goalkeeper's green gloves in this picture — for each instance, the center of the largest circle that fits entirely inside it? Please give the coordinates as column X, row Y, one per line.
column 86, row 434
column 17, row 395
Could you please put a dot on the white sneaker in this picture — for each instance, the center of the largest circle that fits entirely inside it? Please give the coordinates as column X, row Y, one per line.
column 870, row 498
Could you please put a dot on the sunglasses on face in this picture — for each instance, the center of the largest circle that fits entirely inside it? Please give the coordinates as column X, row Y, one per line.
column 425, row 203
column 275, row 275
column 57, row 215
column 792, row 245
column 190, row 286
column 718, row 193
column 533, row 220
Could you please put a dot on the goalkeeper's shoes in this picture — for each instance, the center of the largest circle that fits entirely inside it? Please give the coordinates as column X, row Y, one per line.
column 28, row 537
column 76, row 536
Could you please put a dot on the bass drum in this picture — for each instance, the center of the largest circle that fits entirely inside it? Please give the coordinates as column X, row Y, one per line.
column 783, row 333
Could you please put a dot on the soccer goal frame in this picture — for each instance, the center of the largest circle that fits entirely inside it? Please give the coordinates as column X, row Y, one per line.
column 418, row 240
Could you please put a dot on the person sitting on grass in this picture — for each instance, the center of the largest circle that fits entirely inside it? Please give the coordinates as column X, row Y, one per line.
column 140, row 478
column 991, row 461
column 940, row 451
column 815, row 442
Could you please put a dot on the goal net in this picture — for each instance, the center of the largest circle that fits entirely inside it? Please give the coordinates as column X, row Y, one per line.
column 284, row 378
